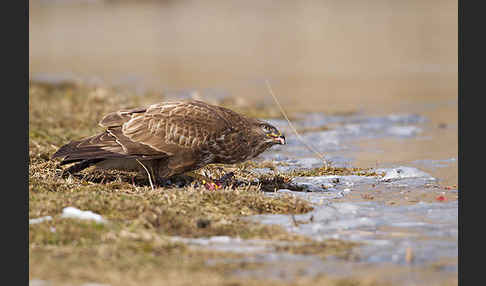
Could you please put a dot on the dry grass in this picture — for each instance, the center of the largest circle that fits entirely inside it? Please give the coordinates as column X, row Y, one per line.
column 134, row 247
column 341, row 171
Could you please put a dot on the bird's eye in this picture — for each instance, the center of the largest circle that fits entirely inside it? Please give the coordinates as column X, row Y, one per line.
column 270, row 131
column 266, row 128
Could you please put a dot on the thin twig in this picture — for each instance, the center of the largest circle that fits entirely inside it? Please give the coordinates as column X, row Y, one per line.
column 294, row 221
column 148, row 173
column 310, row 148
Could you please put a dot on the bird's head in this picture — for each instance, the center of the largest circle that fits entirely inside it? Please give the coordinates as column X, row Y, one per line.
column 269, row 133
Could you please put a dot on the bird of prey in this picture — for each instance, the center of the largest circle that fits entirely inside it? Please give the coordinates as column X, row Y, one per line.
column 171, row 138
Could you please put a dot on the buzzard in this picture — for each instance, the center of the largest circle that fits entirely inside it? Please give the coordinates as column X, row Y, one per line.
column 171, row 138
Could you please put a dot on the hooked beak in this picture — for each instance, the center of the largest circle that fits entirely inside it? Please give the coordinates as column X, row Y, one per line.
column 280, row 140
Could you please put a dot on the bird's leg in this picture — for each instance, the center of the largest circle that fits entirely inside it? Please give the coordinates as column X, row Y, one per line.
column 160, row 173
column 159, row 181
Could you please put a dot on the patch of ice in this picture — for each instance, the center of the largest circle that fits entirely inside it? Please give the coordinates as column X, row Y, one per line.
column 404, row 131
column 402, row 173
column 369, row 222
column 409, row 224
column 352, row 223
column 330, row 183
column 39, row 219
column 261, row 171
column 285, row 191
column 435, row 163
column 305, row 162
column 405, row 118
column 347, row 208
column 72, row 212
column 222, row 239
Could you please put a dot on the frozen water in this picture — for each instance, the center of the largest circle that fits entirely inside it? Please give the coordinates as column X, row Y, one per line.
column 435, row 163
column 340, row 137
column 404, row 131
column 430, row 229
column 410, row 235
column 330, row 183
column 304, row 162
column 405, row 177
column 402, row 172
column 398, row 176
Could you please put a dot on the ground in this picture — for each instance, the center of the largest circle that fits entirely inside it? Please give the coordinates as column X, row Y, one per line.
column 137, row 244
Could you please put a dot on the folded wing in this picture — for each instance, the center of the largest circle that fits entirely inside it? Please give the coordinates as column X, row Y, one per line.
column 158, row 131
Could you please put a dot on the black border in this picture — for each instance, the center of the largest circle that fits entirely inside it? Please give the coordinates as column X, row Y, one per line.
column 22, row 95
column 471, row 86
column 460, row 138
column 15, row 143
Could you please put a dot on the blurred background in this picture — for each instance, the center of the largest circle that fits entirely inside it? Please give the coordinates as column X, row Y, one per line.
column 378, row 56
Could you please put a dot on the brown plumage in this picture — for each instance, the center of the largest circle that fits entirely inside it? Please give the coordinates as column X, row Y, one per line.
column 171, row 138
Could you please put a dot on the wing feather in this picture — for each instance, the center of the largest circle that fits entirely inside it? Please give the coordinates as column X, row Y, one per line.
column 176, row 127
column 115, row 119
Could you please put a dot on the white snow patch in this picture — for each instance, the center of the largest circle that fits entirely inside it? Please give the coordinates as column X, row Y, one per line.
column 72, row 212
column 39, row 219
column 403, row 172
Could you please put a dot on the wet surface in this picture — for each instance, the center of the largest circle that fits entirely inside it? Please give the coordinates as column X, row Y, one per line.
column 404, row 217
